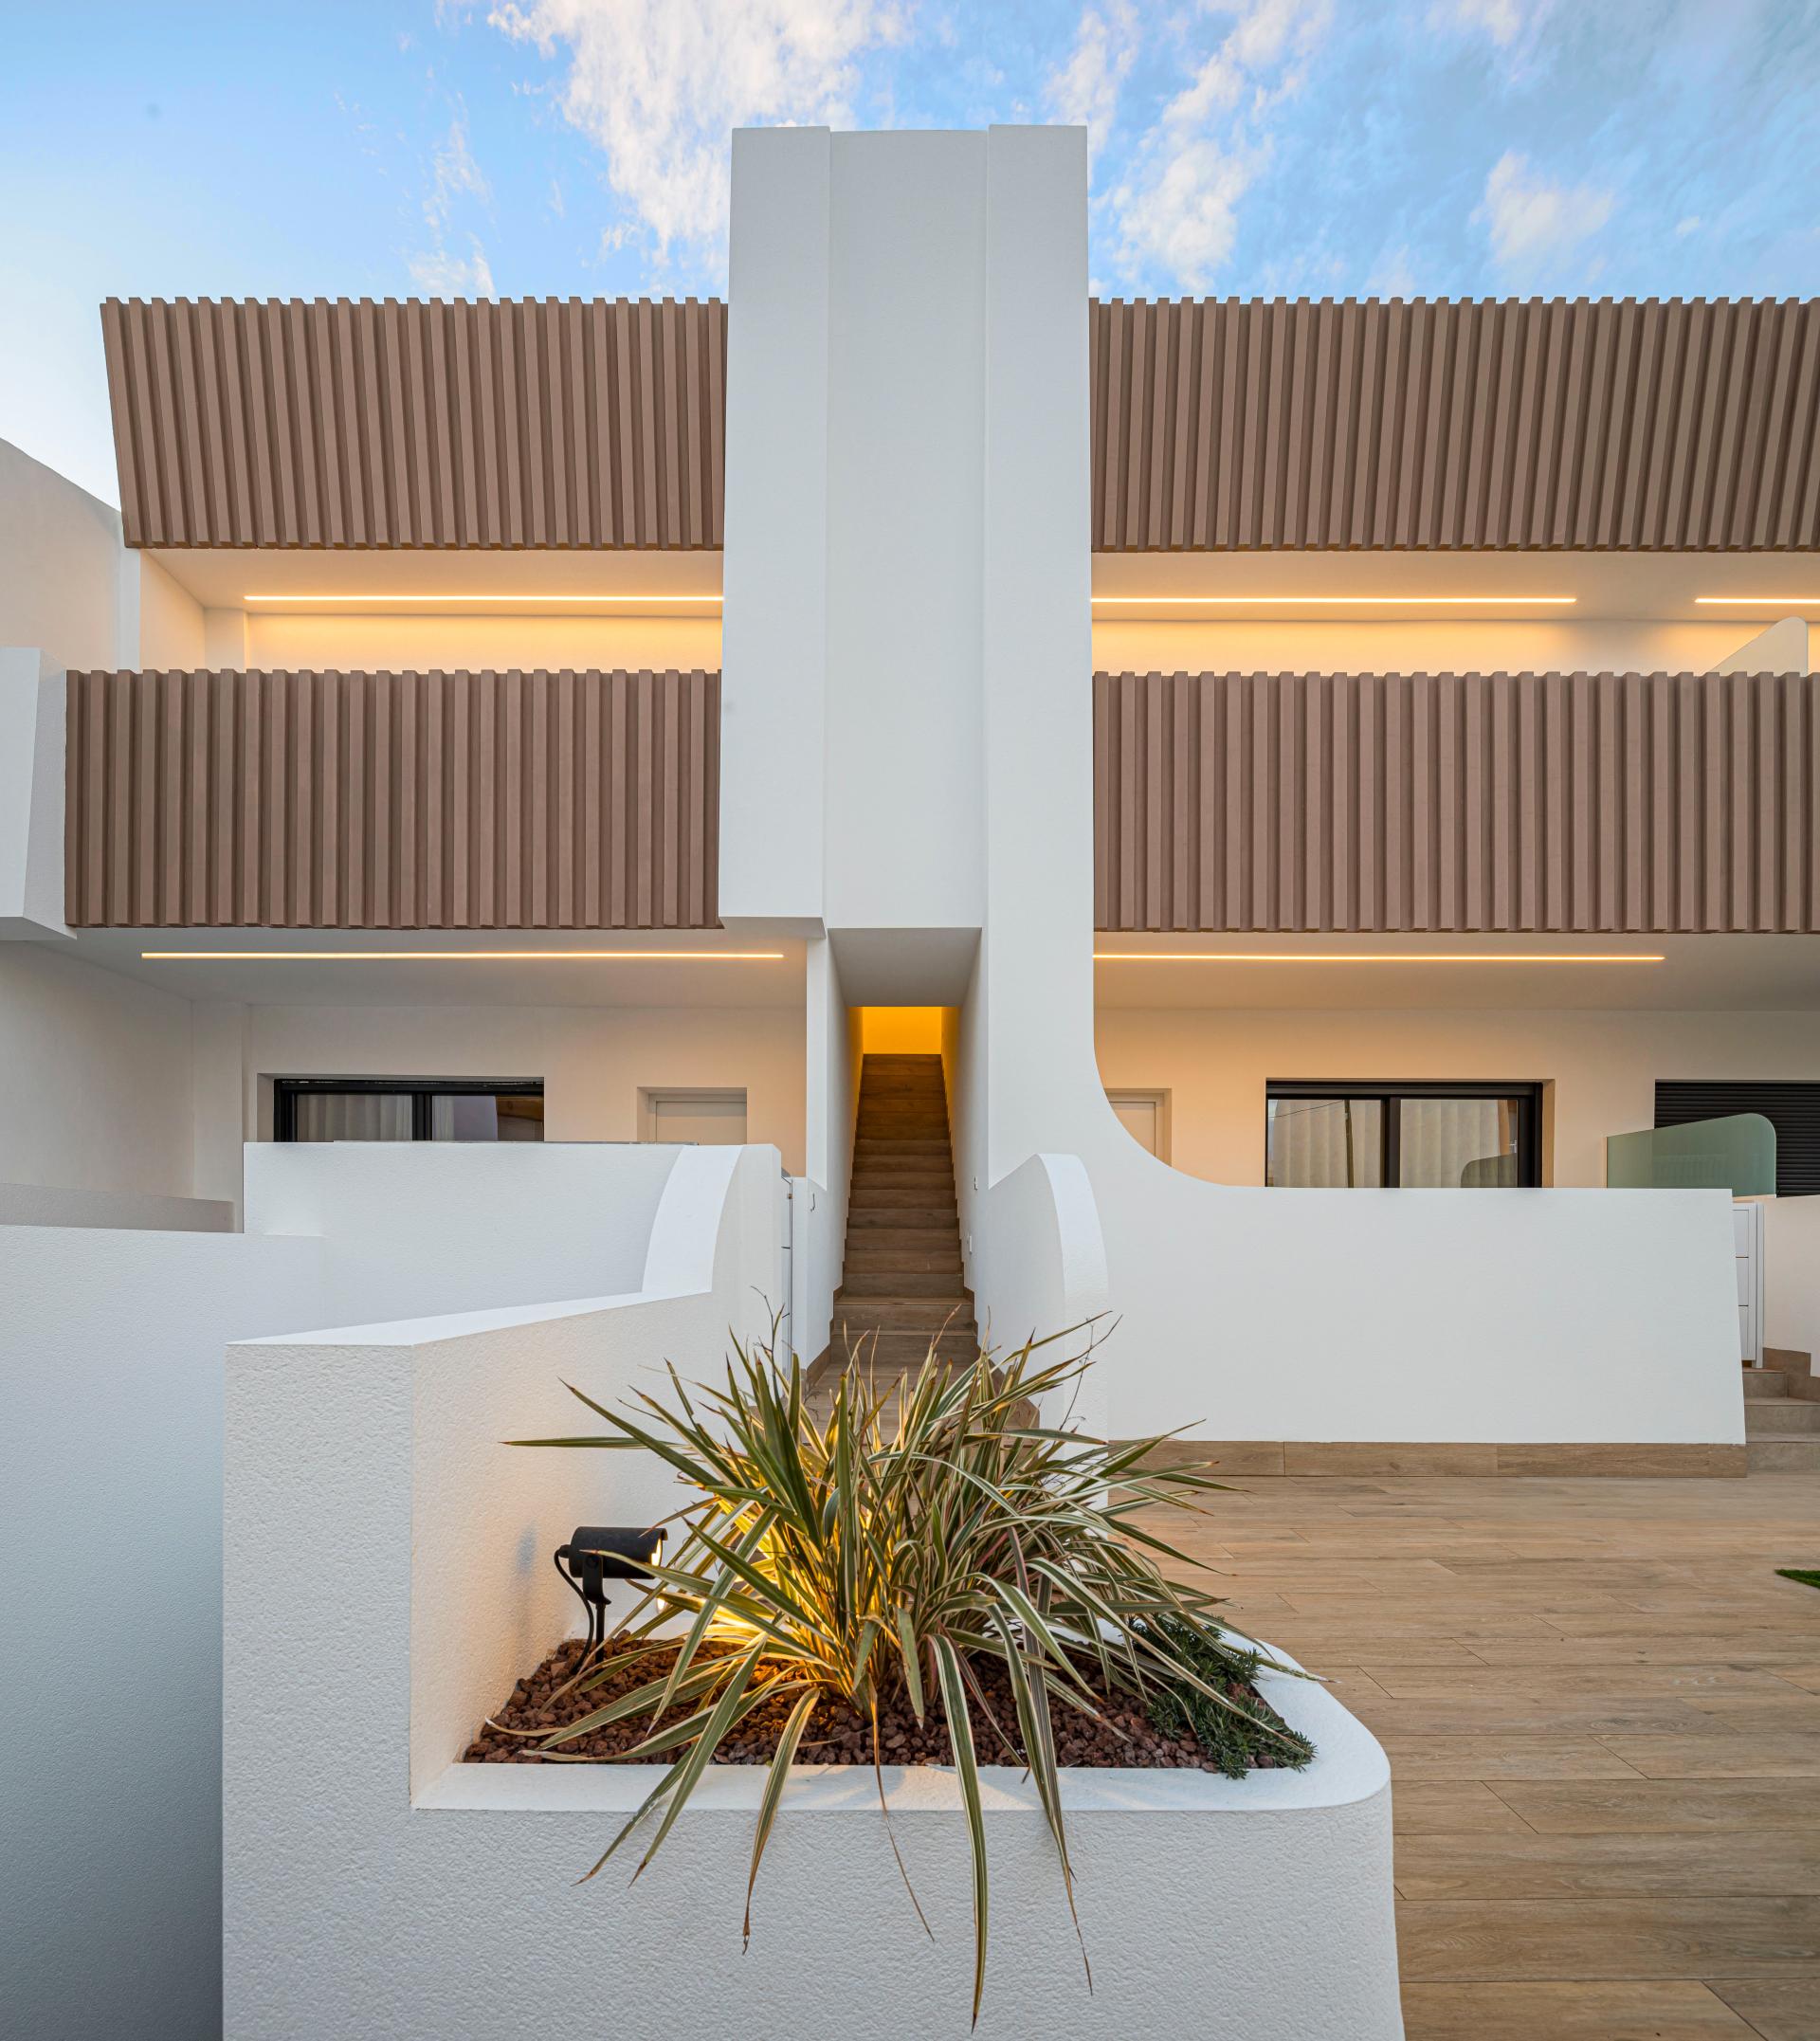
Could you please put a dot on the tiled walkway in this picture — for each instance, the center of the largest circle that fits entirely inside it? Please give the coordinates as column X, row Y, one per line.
column 1602, row 1710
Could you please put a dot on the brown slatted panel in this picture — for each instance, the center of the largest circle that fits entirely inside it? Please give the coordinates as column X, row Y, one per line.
column 1595, row 803
column 529, row 424
column 1630, row 427
column 393, row 800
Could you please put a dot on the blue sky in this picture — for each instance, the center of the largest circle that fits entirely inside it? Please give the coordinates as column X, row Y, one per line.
column 525, row 147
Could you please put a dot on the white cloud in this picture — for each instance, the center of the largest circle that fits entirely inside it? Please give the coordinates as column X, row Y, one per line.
column 1530, row 220
column 439, row 274
column 1506, row 22
column 1691, row 225
column 454, row 176
column 1084, row 91
column 658, row 85
column 1176, row 206
column 1392, row 275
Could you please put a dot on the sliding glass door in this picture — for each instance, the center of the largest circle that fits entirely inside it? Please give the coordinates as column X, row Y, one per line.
column 1372, row 1135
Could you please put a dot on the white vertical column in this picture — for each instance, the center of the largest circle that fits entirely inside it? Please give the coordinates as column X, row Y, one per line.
column 773, row 655
column 218, row 1101
column 905, row 398
column 1035, row 974
column 32, row 707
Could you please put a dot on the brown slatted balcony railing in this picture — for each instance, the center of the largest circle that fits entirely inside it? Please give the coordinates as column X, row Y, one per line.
column 393, row 800
column 1609, row 803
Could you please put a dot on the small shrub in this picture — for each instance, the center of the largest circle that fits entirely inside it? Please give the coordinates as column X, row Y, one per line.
column 881, row 1557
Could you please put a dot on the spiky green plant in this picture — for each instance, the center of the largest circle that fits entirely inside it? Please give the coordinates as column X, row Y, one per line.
column 886, row 1553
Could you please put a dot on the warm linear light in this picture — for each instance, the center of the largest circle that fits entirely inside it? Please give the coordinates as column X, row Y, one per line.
column 1369, row 956
column 1760, row 602
column 445, row 956
column 1348, row 602
column 350, row 596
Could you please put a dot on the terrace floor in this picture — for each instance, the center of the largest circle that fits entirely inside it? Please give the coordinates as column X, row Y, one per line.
column 1602, row 1709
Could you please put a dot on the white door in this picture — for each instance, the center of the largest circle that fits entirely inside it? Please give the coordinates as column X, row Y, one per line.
column 1747, row 1244
column 707, row 1117
column 1139, row 1114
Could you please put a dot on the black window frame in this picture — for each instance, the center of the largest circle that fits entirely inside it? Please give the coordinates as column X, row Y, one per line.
column 420, row 1090
column 1528, row 1094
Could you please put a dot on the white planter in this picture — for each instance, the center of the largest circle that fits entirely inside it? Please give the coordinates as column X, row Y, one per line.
column 388, row 1577
column 1259, row 1909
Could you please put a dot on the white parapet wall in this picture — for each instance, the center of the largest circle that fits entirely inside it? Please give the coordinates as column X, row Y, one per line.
column 111, row 1346
column 414, row 1228
column 1502, row 1317
column 388, row 1577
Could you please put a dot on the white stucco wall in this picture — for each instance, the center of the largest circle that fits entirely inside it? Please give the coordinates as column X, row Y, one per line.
column 33, row 704
column 774, row 670
column 833, row 1062
column 60, row 569
column 593, row 1060
column 95, row 1077
column 110, row 1543
column 1602, row 1066
column 420, row 1228
column 1792, row 1264
column 171, row 625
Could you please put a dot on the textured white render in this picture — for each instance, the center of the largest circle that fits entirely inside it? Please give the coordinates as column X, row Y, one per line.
column 31, row 797
column 375, row 1887
column 1792, row 1264
column 773, row 662
column 1043, row 1261
column 110, row 1619
column 414, row 1228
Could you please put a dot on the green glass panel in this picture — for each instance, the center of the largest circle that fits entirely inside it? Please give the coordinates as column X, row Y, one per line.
column 1735, row 1154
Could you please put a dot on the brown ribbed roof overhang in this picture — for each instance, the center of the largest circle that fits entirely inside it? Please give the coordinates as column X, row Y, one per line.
column 538, row 423
column 1228, row 425
column 1219, row 424
column 1596, row 803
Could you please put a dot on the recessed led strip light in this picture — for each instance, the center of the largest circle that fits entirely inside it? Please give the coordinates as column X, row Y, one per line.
column 462, row 957
column 1373, row 956
column 1348, row 602
column 1758, row 602
column 349, row 596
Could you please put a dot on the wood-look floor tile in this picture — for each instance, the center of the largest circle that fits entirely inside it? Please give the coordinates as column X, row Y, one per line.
column 1461, row 1863
column 1674, row 2011
column 1662, row 1935
column 1495, row 1758
column 1757, row 1753
column 1779, row 2009
column 1660, row 1807
column 1422, row 1807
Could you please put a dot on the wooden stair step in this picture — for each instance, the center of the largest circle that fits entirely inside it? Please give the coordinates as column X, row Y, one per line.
column 864, row 1219
column 912, row 1260
column 903, row 1282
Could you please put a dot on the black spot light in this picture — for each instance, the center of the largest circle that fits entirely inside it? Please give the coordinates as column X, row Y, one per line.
column 596, row 1553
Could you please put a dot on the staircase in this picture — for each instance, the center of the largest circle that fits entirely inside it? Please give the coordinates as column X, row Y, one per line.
column 902, row 1289
column 1782, row 1415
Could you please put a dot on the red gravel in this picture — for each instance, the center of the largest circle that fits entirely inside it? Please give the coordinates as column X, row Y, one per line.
column 837, row 1733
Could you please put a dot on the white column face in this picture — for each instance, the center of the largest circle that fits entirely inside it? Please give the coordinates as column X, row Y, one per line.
column 905, row 462
column 774, row 635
